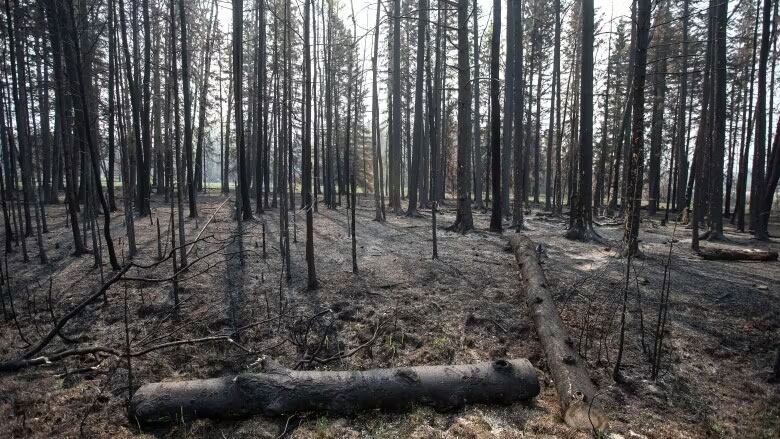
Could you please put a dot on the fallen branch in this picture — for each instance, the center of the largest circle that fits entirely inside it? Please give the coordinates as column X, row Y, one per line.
column 730, row 254
column 26, row 360
column 575, row 389
column 15, row 365
column 207, row 224
column 340, row 355
column 278, row 391
column 64, row 319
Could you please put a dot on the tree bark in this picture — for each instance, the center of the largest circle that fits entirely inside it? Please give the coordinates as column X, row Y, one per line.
column 515, row 64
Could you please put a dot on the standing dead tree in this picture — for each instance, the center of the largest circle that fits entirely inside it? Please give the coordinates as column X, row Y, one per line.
column 306, row 186
column 495, row 121
column 635, row 161
column 463, row 220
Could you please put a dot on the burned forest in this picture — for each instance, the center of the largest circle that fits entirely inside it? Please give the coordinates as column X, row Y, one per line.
column 389, row 219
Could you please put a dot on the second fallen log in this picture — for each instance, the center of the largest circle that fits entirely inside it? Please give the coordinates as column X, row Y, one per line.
column 576, row 391
column 729, row 254
column 280, row 391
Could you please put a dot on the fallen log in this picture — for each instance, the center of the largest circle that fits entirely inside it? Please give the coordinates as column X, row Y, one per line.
column 732, row 254
column 278, row 391
column 576, row 391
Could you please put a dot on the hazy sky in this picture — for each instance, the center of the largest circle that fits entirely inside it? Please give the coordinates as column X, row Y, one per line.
column 365, row 13
column 365, row 10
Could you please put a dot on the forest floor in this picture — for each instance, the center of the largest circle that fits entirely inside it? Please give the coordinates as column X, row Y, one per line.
column 467, row 306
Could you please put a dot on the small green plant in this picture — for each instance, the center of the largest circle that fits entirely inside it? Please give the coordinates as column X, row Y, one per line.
column 322, row 426
column 440, row 342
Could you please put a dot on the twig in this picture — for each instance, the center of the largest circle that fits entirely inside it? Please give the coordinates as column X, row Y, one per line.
column 207, row 224
column 341, row 355
column 63, row 320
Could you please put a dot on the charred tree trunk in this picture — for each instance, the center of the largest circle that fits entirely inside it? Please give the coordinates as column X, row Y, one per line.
column 375, row 130
column 739, row 210
column 111, row 107
column 576, row 391
column 418, row 130
column 306, row 186
column 724, row 254
column 680, row 138
column 758, row 174
column 635, row 161
column 598, row 194
column 463, row 219
column 238, row 88
column 621, row 143
column 261, row 141
column 719, row 108
column 477, row 147
column 510, row 77
column 581, row 211
column 135, row 103
column 278, row 391
column 495, row 121
column 394, row 159
column 146, row 126
column 77, row 82
column 179, row 178
column 185, row 79
column 203, row 100
column 656, row 128
column 554, row 90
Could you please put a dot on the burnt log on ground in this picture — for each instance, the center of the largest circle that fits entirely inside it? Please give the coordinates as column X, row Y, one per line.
column 279, row 391
column 731, row 254
column 576, row 391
